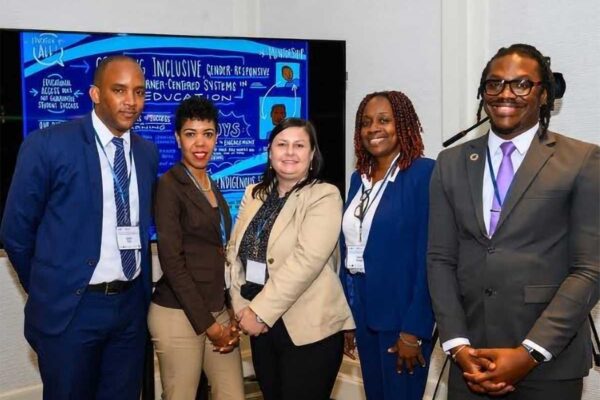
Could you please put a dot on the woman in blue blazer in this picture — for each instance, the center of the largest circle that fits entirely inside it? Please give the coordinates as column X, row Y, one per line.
column 384, row 244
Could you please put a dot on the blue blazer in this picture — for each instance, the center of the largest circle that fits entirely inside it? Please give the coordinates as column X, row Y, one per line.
column 397, row 297
column 52, row 224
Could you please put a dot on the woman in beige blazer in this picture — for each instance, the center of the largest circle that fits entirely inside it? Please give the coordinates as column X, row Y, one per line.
column 188, row 318
column 283, row 253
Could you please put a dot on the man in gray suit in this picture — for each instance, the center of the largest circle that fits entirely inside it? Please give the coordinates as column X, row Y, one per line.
column 513, row 257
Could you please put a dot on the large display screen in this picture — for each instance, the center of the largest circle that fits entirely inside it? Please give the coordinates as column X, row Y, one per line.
column 254, row 82
column 45, row 77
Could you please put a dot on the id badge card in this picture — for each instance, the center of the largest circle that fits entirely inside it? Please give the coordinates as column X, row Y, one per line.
column 354, row 259
column 256, row 272
column 128, row 237
column 227, row 275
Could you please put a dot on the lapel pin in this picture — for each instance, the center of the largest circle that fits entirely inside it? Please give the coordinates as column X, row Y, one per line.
column 474, row 157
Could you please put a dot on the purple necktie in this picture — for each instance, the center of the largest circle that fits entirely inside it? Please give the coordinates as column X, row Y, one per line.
column 503, row 181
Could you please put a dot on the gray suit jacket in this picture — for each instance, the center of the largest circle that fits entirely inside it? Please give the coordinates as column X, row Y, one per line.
column 538, row 276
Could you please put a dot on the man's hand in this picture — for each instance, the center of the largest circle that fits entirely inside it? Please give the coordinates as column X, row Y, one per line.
column 249, row 324
column 511, row 365
column 350, row 344
column 409, row 353
column 473, row 365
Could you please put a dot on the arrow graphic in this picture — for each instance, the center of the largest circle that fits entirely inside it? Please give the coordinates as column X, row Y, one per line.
column 85, row 66
column 262, row 104
column 34, row 92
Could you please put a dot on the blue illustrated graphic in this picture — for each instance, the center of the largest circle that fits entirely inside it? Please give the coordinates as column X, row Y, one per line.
column 252, row 82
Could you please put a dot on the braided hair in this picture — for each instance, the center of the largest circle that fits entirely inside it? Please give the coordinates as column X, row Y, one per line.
column 544, row 70
column 408, row 130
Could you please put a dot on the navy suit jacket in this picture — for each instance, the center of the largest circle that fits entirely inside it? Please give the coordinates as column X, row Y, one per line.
column 52, row 224
column 395, row 254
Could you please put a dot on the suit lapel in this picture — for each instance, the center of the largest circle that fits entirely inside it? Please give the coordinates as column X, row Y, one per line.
column 475, row 158
column 93, row 165
column 538, row 154
column 195, row 197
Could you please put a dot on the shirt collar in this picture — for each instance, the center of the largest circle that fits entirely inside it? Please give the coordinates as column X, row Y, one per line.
column 521, row 142
column 104, row 134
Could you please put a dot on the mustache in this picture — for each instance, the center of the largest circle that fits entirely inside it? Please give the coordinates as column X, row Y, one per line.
column 503, row 102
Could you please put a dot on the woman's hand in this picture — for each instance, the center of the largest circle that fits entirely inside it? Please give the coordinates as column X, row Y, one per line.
column 224, row 338
column 249, row 324
column 350, row 344
column 408, row 349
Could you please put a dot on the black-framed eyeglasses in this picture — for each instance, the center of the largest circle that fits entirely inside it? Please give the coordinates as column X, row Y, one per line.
column 519, row 87
column 363, row 205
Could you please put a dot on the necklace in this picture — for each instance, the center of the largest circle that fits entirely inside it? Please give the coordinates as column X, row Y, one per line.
column 209, row 188
column 196, row 181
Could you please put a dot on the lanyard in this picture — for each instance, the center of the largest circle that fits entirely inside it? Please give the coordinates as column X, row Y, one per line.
column 363, row 212
column 223, row 231
column 112, row 171
column 494, row 182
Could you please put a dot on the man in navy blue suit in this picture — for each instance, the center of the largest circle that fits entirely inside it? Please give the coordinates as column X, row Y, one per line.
column 75, row 229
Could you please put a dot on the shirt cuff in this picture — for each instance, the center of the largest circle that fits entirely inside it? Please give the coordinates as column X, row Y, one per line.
column 547, row 355
column 452, row 343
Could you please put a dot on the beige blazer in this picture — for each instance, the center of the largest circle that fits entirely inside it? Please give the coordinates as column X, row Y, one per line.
column 302, row 255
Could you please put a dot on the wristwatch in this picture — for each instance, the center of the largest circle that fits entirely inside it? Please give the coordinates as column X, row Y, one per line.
column 259, row 320
column 536, row 355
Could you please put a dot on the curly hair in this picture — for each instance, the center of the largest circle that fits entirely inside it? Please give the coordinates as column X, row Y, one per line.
column 408, row 130
column 196, row 108
column 544, row 70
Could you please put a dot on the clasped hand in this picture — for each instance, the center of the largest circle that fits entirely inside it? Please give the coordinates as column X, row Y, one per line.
column 226, row 337
column 249, row 324
column 494, row 371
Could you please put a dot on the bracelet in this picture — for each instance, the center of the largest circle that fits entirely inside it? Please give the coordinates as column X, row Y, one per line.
column 410, row 344
column 461, row 348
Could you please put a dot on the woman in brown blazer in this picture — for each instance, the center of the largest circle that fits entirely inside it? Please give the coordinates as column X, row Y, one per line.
column 188, row 318
column 285, row 288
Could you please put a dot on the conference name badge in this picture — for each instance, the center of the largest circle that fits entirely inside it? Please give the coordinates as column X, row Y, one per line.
column 256, row 272
column 354, row 259
column 128, row 237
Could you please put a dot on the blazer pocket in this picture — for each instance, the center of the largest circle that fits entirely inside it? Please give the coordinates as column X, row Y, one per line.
column 540, row 293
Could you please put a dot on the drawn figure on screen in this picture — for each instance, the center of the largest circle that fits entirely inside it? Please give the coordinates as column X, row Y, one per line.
column 288, row 74
column 278, row 114
column 76, row 230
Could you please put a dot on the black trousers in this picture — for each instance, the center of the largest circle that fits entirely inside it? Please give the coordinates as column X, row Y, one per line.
column 289, row 372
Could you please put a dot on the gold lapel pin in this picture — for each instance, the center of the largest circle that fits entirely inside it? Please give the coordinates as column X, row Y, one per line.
column 474, row 157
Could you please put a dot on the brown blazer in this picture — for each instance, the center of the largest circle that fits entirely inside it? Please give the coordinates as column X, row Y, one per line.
column 302, row 256
column 189, row 248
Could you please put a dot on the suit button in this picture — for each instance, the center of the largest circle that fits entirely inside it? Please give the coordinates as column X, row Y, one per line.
column 270, row 261
column 91, row 263
column 489, row 291
column 491, row 249
column 78, row 292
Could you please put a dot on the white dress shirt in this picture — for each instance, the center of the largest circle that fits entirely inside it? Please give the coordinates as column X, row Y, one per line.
column 109, row 266
column 522, row 143
column 351, row 224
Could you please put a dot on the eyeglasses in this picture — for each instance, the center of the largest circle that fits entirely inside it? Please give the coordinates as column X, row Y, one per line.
column 361, row 209
column 519, row 87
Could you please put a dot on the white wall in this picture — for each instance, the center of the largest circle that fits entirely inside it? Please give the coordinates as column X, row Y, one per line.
column 433, row 50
